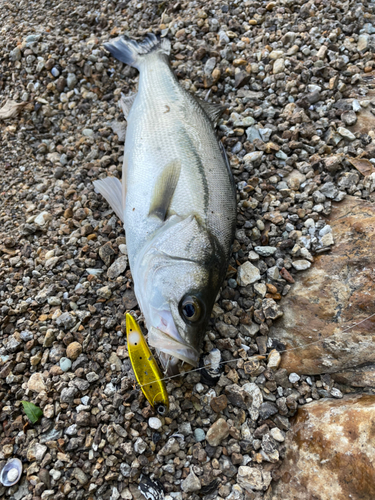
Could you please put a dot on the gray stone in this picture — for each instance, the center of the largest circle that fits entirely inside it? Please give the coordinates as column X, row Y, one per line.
column 66, row 321
column 267, row 409
column 170, row 447
column 81, row 477
column 252, row 479
column 247, row 274
column 191, row 483
column 294, row 377
column 26, row 335
column 118, row 267
column 68, row 394
column 254, row 157
column 199, row 435
column 301, row 265
column 265, row 251
column 65, row 364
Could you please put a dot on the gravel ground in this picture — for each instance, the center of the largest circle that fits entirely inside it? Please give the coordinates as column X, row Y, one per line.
column 295, row 76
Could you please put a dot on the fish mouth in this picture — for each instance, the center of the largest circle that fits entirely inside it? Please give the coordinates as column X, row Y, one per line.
column 168, row 345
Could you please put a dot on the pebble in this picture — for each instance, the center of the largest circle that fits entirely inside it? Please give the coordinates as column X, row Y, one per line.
column 191, row 483
column 274, row 360
column 218, row 431
column 36, row 383
column 294, row 377
column 199, row 434
column 65, row 364
column 73, row 350
column 155, row 423
column 247, row 274
column 301, row 265
column 265, row 251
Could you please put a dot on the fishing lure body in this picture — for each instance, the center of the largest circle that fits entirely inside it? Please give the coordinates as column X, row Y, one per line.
column 146, row 370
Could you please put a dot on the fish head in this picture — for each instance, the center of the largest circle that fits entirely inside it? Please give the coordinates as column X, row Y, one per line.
column 177, row 285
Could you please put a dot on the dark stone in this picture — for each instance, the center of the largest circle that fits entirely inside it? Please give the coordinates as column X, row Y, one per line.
column 267, row 409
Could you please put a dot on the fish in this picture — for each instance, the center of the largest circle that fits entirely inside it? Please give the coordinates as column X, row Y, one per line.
column 145, row 368
column 177, row 200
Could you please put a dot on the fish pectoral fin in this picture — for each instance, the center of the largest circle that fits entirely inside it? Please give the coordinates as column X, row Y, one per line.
column 212, row 110
column 164, row 190
column 111, row 189
column 126, row 103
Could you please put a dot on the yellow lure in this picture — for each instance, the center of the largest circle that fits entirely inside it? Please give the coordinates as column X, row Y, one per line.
column 146, row 370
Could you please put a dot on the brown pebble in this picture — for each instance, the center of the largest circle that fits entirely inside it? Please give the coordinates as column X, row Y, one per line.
column 286, row 275
column 68, row 214
column 219, row 403
column 251, row 366
column 73, row 350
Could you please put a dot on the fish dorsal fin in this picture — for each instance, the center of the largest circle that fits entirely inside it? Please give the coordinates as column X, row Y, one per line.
column 164, row 189
column 111, row 189
column 126, row 103
column 212, row 110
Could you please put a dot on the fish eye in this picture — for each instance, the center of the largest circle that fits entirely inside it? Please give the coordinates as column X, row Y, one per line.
column 190, row 309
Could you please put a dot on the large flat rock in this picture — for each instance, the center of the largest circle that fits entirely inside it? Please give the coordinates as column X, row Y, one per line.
column 337, row 292
column 330, row 452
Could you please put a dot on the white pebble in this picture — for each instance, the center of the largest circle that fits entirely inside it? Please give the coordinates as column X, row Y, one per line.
column 12, row 475
column 294, row 377
column 154, row 423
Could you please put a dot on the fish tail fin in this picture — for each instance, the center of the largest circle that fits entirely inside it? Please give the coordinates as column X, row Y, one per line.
column 133, row 53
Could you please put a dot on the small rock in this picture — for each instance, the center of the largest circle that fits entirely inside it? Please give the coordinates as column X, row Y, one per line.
column 277, row 435
column 267, row 409
column 81, row 477
column 344, row 132
column 73, row 350
column 170, row 447
column 155, row 423
column 265, row 251
column 199, row 435
column 191, row 483
column 247, row 274
column 104, row 292
column 218, row 431
column 327, row 240
column 65, row 364
column 219, row 403
column 274, row 359
column 252, row 479
column 294, row 377
column 270, row 309
column 118, row 267
column 36, row 383
column 278, row 66
column 140, row 446
column 362, row 43
column 253, row 157
column 301, row 265
column 92, row 377
column 65, row 320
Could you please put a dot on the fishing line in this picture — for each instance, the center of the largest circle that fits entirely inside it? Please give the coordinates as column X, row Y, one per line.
column 282, row 351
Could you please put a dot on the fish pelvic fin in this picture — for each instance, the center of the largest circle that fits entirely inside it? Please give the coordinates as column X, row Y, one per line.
column 164, row 190
column 133, row 53
column 111, row 189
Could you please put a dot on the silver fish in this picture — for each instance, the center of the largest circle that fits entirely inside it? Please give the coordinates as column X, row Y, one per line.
column 177, row 201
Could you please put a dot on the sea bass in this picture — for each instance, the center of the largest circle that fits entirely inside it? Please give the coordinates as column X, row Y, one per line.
column 177, row 201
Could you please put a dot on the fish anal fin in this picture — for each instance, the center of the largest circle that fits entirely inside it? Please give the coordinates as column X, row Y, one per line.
column 126, row 103
column 111, row 189
column 164, row 190
column 212, row 110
